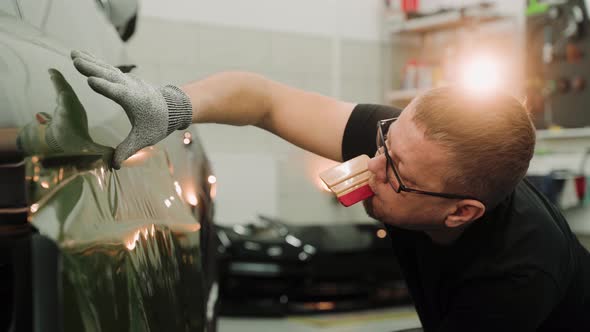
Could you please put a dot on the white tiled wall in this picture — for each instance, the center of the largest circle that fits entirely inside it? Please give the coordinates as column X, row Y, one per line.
column 358, row 19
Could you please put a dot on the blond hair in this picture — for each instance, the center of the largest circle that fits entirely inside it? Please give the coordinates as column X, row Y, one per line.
column 490, row 139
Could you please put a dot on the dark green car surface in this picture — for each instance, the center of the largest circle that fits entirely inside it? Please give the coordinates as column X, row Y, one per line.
column 131, row 246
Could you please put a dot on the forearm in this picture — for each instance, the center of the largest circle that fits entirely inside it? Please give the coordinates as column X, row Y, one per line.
column 306, row 119
column 234, row 98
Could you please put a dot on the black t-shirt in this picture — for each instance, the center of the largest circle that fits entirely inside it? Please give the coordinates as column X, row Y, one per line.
column 519, row 268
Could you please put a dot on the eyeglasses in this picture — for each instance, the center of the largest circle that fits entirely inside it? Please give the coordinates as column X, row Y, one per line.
column 395, row 181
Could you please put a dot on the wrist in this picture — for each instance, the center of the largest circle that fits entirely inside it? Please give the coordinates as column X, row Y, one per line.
column 180, row 110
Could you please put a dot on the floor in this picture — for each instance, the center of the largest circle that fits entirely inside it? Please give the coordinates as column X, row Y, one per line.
column 382, row 320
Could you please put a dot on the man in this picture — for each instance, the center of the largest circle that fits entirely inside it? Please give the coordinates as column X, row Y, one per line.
column 481, row 250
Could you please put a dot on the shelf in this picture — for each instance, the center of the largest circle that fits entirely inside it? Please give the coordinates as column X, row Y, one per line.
column 403, row 95
column 565, row 133
column 562, row 141
column 442, row 21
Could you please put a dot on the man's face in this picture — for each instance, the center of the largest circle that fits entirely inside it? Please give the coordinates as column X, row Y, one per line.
column 421, row 164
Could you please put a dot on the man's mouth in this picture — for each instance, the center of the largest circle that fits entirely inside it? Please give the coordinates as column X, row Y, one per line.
column 371, row 184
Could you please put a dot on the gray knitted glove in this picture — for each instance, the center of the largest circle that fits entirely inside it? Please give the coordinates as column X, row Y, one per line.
column 154, row 112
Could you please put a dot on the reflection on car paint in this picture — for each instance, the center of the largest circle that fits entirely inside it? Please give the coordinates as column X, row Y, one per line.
column 128, row 257
column 64, row 132
column 129, row 242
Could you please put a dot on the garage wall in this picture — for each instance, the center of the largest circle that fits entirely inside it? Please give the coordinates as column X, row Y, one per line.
column 358, row 19
column 334, row 47
column 320, row 49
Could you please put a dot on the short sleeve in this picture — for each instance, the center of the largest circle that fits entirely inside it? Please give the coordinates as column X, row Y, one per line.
column 361, row 129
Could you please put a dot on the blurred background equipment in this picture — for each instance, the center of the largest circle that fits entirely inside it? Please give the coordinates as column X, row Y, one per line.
column 557, row 46
column 269, row 267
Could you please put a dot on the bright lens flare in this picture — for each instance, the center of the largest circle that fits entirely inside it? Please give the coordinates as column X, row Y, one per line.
column 481, row 75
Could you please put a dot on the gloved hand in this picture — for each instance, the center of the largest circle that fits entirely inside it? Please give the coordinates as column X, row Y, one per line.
column 154, row 112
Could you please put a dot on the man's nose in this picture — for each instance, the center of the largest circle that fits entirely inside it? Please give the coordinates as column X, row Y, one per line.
column 376, row 166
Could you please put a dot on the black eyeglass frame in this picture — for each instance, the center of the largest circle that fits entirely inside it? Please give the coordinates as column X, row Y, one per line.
column 389, row 163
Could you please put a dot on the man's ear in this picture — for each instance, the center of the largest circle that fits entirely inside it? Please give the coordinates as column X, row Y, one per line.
column 464, row 212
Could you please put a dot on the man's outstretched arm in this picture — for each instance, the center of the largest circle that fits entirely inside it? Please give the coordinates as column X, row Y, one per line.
column 311, row 121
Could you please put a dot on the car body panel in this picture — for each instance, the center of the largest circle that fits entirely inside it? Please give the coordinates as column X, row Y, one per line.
column 133, row 242
column 129, row 247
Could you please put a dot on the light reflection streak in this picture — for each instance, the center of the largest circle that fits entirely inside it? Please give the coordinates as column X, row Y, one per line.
column 325, row 305
column 193, row 227
column 137, row 158
column 99, row 180
column 322, row 185
column 192, row 199
column 132, row 240
column 178, row 188
column 146, row 232
column 187, row 138
column 213, row 191
column 315, row 165
column 319, row 306
column 295, row 242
